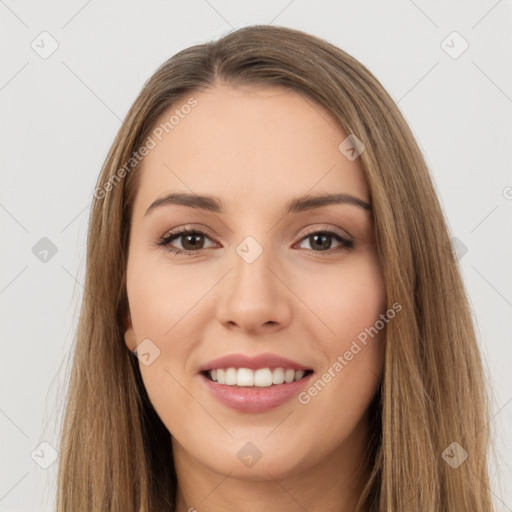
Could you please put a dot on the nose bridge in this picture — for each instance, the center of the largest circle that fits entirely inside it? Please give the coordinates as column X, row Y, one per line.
column 253, row 296
column 252, row 262
column 252, row 278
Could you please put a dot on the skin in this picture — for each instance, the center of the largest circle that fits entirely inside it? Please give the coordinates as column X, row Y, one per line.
column 255, row 148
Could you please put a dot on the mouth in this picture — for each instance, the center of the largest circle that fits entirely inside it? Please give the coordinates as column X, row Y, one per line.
column 254, row 383
column 255, row 378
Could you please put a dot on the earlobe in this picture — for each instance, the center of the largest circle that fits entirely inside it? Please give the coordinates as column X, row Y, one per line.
column 129, row 334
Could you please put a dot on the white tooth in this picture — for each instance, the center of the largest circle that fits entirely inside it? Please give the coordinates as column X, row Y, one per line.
column 289, row 375
column 299, row 374
column 263, row 378
column 245, row 377
column 230, row 377
column 278, row 376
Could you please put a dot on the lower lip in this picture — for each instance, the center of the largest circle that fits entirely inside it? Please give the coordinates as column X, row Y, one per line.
column 255, row 399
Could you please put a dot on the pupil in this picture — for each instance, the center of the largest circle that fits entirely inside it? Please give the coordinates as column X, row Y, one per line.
column 324, row 238
column 191, row 237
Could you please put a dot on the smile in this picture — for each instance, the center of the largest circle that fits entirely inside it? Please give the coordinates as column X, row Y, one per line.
column 254, row 383
column 262, row 377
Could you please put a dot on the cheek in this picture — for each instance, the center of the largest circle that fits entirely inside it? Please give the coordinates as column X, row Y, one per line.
column 163, row 299
column 347, row 299
column 350, row 303
column 162, row 309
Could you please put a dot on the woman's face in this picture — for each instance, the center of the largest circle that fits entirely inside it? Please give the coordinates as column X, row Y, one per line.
column 279, row 287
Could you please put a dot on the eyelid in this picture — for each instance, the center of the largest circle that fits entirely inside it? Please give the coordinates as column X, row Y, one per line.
column 325, row 227
column 187, row 228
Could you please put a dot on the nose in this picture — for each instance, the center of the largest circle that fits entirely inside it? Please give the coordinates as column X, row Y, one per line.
column 254, row 297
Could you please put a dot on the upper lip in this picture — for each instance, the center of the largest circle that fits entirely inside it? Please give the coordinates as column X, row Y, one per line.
column 266, row 360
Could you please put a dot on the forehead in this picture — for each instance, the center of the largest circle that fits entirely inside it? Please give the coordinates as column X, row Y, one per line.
column 252, row 145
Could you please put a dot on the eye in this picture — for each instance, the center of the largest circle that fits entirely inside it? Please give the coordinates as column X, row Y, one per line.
column 192, row 241
column 321, row 241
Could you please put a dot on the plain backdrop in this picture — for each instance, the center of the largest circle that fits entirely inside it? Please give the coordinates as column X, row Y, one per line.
column 61, row 111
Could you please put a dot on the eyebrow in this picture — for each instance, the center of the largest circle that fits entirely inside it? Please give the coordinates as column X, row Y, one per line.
column 297, row 205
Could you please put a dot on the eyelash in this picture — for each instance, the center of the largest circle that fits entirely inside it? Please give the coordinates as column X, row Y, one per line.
column 347, row 245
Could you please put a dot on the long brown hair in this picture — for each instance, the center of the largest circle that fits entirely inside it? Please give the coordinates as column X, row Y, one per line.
column 115, row 451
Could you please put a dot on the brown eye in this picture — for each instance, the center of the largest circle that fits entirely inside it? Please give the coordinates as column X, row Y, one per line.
column 322, row 241
column 191, row 241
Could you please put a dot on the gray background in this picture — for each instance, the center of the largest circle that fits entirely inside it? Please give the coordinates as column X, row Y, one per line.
column 60, row 115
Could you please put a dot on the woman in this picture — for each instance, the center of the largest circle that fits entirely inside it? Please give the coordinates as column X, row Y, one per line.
column 273, row 316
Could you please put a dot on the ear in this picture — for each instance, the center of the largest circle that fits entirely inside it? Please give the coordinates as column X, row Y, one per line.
column 129, row 334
